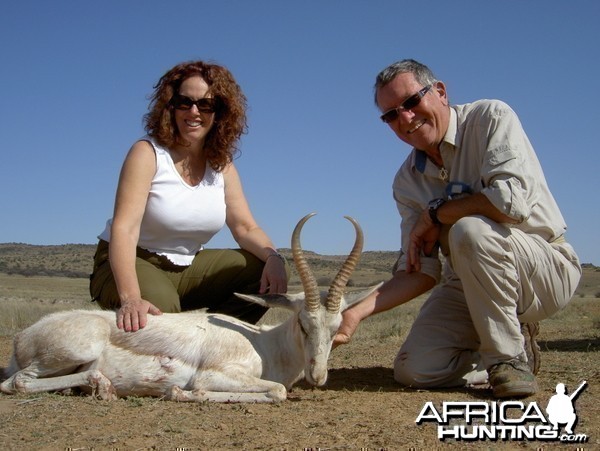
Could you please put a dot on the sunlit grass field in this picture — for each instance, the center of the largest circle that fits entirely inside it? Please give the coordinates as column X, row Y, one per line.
column 361, row 399
column 23, row 300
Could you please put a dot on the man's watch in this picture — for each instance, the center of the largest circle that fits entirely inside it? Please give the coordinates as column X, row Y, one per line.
column 433, row 208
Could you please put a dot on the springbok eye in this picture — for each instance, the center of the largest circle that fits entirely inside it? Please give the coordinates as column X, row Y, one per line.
column 302, row 329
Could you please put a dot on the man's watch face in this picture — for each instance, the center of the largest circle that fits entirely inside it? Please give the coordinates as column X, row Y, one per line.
column 435, row 203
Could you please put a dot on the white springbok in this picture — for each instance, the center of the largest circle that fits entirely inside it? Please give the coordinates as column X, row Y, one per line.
column 190, row 356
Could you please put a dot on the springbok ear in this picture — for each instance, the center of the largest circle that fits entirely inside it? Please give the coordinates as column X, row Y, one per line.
column 291, row 302
column 354, row 297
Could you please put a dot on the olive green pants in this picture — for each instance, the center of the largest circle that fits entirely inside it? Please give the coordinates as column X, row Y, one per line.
column 209, row 282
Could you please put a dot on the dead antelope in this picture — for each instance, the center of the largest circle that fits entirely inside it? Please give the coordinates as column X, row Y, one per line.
column 192, row 356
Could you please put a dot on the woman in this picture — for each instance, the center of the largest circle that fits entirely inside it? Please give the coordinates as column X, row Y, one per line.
column 178, row 187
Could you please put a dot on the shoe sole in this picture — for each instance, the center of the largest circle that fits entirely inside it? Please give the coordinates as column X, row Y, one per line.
column 515, row 389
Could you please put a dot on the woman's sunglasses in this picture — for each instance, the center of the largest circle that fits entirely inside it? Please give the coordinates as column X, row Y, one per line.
column 408, row 104
column 205, row 105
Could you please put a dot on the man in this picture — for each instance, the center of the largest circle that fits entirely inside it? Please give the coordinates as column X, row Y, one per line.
column 473, row 188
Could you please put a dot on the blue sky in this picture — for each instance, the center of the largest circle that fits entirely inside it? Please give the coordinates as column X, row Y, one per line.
column 76, row 76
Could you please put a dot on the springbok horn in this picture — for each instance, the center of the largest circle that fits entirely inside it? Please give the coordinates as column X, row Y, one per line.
column 312, row 299
column 336, row 289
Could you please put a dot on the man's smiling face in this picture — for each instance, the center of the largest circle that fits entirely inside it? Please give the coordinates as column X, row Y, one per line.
column 424, row 125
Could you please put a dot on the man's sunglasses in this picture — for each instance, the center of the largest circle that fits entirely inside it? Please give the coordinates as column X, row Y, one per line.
column 408, row 104
column 205, row 105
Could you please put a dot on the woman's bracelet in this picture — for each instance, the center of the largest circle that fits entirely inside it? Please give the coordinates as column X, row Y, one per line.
column 278, row 255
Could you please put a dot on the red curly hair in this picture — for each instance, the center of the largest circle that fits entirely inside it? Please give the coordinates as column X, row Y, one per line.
column 230, row 116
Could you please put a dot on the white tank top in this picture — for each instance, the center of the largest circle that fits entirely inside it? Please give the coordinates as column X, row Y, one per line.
column 179, row 219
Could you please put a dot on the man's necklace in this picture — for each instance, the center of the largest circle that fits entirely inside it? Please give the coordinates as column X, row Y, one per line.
column 443, row 174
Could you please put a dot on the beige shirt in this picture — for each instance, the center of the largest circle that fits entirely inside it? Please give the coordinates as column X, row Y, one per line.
column 486, row 149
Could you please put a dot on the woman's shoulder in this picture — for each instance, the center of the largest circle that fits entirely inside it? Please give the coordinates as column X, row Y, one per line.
column 230, row 172
column 148, row 143
column 146, row 147
column 142, row 145
column 141, row 154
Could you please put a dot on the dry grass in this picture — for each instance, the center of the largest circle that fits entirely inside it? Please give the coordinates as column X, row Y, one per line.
column 360, row 407
column 24, row 300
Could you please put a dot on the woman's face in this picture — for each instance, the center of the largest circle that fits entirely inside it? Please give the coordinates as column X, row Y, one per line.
column 194, row 119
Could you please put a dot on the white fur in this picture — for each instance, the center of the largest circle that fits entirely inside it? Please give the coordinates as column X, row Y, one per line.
column 190, row 356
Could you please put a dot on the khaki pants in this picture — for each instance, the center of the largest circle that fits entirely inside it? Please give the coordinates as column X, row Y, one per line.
column 209, row 282
column 495, row 278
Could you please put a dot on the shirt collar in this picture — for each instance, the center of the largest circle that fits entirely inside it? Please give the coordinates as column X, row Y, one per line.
column 451, row 138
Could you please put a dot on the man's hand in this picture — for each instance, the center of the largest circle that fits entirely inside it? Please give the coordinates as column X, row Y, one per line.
column 423, row 237
column 350, row 322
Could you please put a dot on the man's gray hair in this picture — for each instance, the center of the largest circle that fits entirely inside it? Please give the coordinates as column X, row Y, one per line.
column 422, row 74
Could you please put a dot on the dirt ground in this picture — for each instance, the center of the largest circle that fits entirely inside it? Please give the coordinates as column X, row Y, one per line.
column 361, row 407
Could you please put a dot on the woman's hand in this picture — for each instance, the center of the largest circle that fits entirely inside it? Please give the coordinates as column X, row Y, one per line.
column 133, row 315
column 274, row 276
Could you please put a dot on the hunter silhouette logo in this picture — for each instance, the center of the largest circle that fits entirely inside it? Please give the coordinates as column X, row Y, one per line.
column 508, row 420
column 561, row 409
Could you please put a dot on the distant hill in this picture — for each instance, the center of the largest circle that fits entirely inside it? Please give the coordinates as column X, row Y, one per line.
column 76, row 260
column 65, row 260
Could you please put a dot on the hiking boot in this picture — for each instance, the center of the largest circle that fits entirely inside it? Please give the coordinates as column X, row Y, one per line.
column 532, row 349
column 512, row 379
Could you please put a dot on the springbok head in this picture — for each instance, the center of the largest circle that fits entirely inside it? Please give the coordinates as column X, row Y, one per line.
column 318, row 314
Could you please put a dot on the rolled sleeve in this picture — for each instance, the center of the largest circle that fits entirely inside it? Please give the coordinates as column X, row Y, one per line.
column 506, row 171
column 508, row 197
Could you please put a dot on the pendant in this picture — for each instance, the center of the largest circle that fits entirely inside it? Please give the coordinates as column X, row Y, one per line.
column 443, row 174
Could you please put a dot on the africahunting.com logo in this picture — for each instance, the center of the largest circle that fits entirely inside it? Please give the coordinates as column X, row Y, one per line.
column 508, row 420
